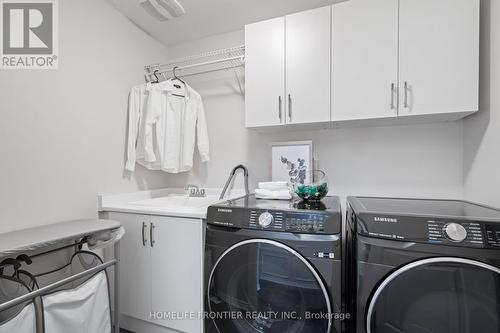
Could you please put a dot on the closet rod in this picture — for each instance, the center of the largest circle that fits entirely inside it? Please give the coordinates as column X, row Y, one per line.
column 212, row 70
column 55, row 285
column 241, row 58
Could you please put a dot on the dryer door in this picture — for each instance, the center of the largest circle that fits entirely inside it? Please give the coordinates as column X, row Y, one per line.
column 437, row 295
column 264, row 286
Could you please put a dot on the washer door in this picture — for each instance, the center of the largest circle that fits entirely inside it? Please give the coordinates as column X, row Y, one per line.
column 437, row 295
column 264, row 286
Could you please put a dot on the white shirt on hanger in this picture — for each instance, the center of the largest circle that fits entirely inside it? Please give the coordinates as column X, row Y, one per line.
column 137, row 105
column 167, row 128
column 176, row 123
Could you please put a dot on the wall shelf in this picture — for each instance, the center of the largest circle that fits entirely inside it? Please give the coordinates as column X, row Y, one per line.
column 208, row 62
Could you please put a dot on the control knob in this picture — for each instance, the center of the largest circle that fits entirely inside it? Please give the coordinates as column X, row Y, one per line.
column 455, row 232
column 265, row 219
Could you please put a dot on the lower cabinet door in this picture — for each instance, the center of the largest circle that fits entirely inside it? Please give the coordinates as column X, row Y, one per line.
column 177, row 286
column 135, row 269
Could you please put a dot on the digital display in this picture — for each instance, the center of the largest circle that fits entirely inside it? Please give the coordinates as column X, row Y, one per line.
column 305, row 222
column 493, row 235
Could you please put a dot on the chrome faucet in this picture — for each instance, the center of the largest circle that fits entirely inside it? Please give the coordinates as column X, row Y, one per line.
column 195, row 191
column 230, row 179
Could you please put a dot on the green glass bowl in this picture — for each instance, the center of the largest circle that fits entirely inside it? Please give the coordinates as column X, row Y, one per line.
column 316, row 190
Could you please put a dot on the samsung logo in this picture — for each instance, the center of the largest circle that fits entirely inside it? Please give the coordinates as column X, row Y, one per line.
column 385, row 219
column 224, row 210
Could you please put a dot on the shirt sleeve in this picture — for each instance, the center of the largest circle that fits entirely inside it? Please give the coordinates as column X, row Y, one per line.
column 133, row 128
column 151, row 113
column 202, row 133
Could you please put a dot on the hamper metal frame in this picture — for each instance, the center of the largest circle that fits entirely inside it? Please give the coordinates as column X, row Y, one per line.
column 28, row 240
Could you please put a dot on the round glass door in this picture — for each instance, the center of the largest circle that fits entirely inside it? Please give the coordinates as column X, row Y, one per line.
column 264, row 286
column 437, row 295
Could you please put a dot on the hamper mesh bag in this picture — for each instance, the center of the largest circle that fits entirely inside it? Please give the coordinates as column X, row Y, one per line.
column 82, row 306
column 21, row 318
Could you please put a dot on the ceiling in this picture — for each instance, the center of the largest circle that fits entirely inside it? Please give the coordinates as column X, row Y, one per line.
column 211, row 17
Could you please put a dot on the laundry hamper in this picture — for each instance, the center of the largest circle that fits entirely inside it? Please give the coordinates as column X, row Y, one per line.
column 82, row 306
column 72, row 298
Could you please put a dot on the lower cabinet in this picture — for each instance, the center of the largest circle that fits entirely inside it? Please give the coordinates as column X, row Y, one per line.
column 177, row 270
column 135, row 273
column 162, row 271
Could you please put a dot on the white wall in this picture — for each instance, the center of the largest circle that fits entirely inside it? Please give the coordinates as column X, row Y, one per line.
column 414, row 161
column 482, row 131
column 62, row 132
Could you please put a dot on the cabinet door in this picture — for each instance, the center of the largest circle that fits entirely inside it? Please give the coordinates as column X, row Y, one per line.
column 135, row 265
column 439, row 56
column 265, row 73
column 308, row 47
column 365, row 59
column 177, row 271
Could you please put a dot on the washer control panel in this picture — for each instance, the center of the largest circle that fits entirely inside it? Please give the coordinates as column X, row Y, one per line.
column 309, row 223
column 493, row 235
column 287, row 221
column 466, row 233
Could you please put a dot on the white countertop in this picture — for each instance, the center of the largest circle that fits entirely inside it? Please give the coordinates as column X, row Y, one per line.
column 163, row 202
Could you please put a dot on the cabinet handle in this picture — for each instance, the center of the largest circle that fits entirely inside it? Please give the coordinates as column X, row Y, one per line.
column 280, row 105
column 144, row 240
column 406, row 95
column 151, row 234
column 290, row 106
column 393, row 101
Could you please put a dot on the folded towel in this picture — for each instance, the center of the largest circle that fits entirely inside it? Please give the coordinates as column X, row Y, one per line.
column 268, row 194
column 275, row 186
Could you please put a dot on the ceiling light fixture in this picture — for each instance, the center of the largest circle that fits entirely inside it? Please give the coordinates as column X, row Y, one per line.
column 163, row 10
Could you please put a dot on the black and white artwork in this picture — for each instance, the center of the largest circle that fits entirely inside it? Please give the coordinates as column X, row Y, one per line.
column 292, row 162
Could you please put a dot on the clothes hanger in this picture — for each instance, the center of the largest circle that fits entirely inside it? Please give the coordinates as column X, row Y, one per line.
column 175, row 75
column 156, row 76
column 178, row 79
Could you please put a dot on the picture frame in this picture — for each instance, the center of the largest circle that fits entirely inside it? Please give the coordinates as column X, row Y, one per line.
column 292, row 161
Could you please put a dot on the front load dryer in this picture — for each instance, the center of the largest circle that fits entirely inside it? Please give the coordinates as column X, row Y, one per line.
column 422, row 266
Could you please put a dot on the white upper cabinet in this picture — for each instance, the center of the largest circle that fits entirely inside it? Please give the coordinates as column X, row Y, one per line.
column 287, row 69
column 362, row 60
column 265, row 73
column 439, row 56
column 365, row 59
column 307, row 59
